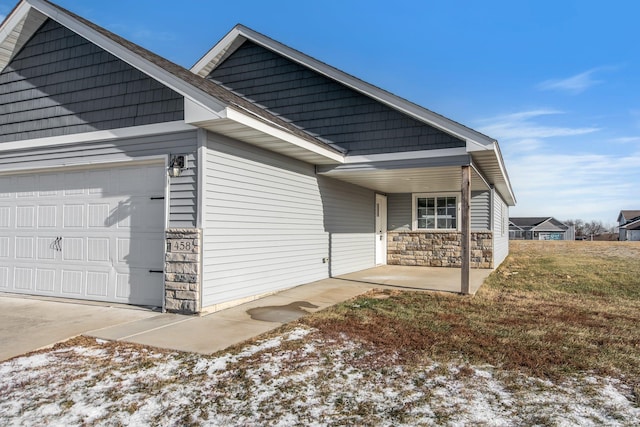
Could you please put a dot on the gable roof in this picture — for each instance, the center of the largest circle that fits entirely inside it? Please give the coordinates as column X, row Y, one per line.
column 211, row 106
column 538, row 223
column 628, row 215
column 236, row 37
column 633, row 224
column 484, row 149
column 527, row 221
column 217, row 101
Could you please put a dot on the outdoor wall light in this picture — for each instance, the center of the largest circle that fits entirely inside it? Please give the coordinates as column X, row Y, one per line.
column 176, row 165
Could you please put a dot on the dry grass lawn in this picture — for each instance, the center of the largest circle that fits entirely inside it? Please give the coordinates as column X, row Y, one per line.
column 552, row 309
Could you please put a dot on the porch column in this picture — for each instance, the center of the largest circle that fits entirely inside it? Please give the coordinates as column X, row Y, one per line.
column 465, row 227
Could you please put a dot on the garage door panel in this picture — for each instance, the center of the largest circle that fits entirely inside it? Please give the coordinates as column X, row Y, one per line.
column 72, row 283
column 98, row 183
column 72, row 249
column 49, row 185
column 98, row 215
column 98, row 284
column 45, row 280
column 5, row 217
column 23, row 278
column 47, row 216
column 90, row 234
column 24, row 247
column 4, row 278
column 25, row 216
column 73, row 216
column 98, row 249
column 4, row 247
column 138, row 284
column 7, row 187
column 74, row 183
column 153, row 248
column 45, row 249
column 140, row 253
column 25, row 186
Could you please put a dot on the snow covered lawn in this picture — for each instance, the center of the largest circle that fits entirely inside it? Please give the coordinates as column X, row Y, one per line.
column 296, row 377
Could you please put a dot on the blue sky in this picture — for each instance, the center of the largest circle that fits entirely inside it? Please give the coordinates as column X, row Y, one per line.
column 556, row 82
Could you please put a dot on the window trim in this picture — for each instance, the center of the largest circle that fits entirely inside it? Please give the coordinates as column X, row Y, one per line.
column 414, row 213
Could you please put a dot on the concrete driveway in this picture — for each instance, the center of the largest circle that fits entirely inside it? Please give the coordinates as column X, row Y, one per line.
column 31, row 323
column 28, row 324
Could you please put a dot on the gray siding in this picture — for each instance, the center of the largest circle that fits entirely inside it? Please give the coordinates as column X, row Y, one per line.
column 268, row 221
column 399, row 212
column 324, row 107
column 350, row 223
column 60, row 84
column 182, row 208
column 481, row 210
column 500, row 229
column 400, row 204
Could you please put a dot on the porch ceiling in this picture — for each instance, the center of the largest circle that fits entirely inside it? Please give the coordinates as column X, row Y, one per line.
column 411, row 180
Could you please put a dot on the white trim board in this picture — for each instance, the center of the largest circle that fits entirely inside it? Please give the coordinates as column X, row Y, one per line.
column 283, row 135
column 159, row 159
column 100, row 135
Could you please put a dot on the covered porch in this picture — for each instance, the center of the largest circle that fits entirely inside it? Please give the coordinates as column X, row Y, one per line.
column 409, row 278
column 427, row 225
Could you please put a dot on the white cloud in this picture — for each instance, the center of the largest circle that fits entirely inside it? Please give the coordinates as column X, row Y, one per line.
column 521, row 126
column 527, row 144
column 574, row 84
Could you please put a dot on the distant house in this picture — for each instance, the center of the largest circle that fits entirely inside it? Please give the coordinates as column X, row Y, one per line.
column 629, row 225
column 539, row 228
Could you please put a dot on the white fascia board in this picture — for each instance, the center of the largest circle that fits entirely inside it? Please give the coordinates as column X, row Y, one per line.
column 387, row 98
column 503, row 171
column 210, row 59
column 407, row 155
column 12, row 37
column 100, row 135
column 476, row 146
column 197, row 113
column 283, row 135
column 147, row 67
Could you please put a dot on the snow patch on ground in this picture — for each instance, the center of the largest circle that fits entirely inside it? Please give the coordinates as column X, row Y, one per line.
column 310, row 381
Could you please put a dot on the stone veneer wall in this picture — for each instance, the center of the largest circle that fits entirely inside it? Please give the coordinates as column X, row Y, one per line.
column 182, row 270
column 438, row 249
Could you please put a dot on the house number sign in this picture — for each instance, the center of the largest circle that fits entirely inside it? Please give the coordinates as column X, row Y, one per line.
column 180, row 245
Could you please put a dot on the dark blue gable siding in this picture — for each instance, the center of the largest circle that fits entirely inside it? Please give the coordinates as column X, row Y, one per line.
column 60, row 84
column 324, row 107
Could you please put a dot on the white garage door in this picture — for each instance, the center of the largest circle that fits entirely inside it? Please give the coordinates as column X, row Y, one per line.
column 89, row 234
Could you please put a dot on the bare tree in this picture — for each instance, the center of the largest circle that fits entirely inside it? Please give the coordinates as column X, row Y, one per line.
column 594, row 227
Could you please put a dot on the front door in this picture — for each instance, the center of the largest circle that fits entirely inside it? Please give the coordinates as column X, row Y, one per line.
column 381, row 229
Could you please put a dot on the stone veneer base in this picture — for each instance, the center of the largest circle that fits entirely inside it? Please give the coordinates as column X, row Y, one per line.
column 182, row 270
column 438, row 248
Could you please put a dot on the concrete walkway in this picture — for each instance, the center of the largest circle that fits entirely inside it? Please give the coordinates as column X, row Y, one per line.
column 222, row 329
column 28, row 324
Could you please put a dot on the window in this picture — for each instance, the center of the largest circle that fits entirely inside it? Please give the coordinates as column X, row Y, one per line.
column 435, row 212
